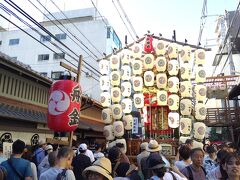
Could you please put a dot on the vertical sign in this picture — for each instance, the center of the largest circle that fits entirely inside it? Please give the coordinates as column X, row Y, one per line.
column 135, row 125
column 7, row 149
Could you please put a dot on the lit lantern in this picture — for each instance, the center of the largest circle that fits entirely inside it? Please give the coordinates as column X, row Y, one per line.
column 114, row 62
column 185, row 54
column 200, row 92
column 186, row 107
column 173, row 120
column 161, row 80
column 104, row 66
column 137, row 50
column 160, row 47
column 185, row 126
column 104, row 83
column 108, row 132
column 116, row 94
column 118, row 128
column 148, row 61
column 128, row 122
column 173, row 102
column 172, row 51
column 199, row 57
column 105, row 99
column 122, row 141
column 173, row 84
column 182, row 139
column 117, row 111
column 107, row 115
column 115, row 78
column 137, row 67
column 161, row 64
column 64, row 104
column 200, row 76
column 137, row 82
column 200, row 111
column 111, row 144
column 126, row 105
column 199, row 130
column 173, row 67
column 185, row 71
column 138, row 100
column 125, row 57
column 186, row 89
column 149, row 78
column 197, row 144
column 162, row 97
column 125, row 72
column 126, row 88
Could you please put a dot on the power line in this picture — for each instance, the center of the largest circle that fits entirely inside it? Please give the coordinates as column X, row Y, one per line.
column 99, row 13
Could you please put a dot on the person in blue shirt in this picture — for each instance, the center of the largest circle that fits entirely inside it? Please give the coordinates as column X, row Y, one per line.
column 17, row 168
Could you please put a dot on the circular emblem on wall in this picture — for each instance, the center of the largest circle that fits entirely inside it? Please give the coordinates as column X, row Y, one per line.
column 34, row 140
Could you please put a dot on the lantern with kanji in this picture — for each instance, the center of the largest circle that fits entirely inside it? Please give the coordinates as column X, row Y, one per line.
column 64, row 106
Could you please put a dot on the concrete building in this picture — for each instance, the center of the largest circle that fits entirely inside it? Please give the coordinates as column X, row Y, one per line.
column 22, row 47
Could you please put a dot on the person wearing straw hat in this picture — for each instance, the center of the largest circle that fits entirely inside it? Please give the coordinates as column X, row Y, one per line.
column 100, row 170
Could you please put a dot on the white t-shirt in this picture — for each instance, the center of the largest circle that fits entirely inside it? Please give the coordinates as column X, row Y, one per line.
column 89, row 153
column 168, row 176
column 54, row 171
column 180, row 165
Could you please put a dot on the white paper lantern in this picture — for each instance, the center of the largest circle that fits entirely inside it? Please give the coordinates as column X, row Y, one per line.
column 172, row 51
column 116, row 94
column 200, row 111
column 162, row 97
column 126, row 89
column 115, row 78
column 161, row 64
column 185, row 71
column 199, row 57
column 126, row 105
column 200, row 92
column 122, row 141
column 125, row 57
column 185, row 54
column 118, row 128
column 138, row 100
column 108, row 132
column 199, row 130
column 182, row 139
column 148, row 61
column 125, row 72
column 186, row 107
column 137, row 67
column 173, row 120
column 173, row 67
column 186, row 89
column 137, row 82
column 149, row 78
column 128, row 122
column 107, row 115
column 173, row 84
column 185, row 126
column 105, row 99
column 114, row 62
column 117, row 111
column 160, row 47
column 197, row 144
column 137, row 50
column 104, row 83
column 200, row 76
column 104, row 67
column 173, row 102
column 111, row 144
column 161, row 80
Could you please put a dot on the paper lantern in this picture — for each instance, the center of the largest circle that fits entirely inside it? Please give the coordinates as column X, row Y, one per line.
column 162, row 97
column 114, row 62
column 125, row 57
column 126, row 105
column 104, row 83
column 200, row 111
column 185, row 54
column 148, row 61
column 160, row 47
column 115, row 78
column 186, row 107
column 118, row 128
column 173, row 120
column 125, row 73
column 161, row 80
column 104, row 66
column 173, row 67
column 107, row 115
column 122, row 141
column 105, row 99
column 149, row 78
column 182, row 139
column 173, row 102
column 199, row 57
column 137, row 67
column 116, row 94
column 137, row 50
column 126, row 89
column 186, row 89
column 185, row 71
column 138, row 100
column 117, row 111
column 108, row 132
column 197, row 144
column 200, row 76
column 185, row 126
column 161, row 64
column 148, row 45
column 111, row 144
column 200, row 92
column 199, row 130
column 128, row 122
column 173, row 84
column 172, row 51
column 64, row 104
column 137, row 82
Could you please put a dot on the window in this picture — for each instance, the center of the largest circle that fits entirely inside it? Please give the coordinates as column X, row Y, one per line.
column 43, row 57
column 0, row 43
column 108, row 32
column 58, row 55
column 44, row 74
column 13, row 42
column 56, row 75
column 45, row 38
column 60, row 36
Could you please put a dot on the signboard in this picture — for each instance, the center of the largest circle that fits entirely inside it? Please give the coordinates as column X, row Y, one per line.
column 7, row 149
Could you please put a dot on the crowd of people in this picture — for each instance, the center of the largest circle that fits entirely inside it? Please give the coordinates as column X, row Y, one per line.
column 50, row 162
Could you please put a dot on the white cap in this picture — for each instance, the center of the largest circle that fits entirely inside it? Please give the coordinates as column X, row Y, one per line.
column 83, row 147
column 49, row 147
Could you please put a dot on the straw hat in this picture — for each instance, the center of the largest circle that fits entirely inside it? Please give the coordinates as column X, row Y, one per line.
column 101, row 166
column 153, row 146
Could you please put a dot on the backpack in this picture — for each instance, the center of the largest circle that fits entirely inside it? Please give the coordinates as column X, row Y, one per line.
column 61, row 175
column 191, row 174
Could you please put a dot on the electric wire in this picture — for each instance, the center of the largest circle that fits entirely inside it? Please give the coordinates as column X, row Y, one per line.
column 99, row 13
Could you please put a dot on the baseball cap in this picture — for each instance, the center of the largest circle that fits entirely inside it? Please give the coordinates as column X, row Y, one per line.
column 83, row 147
column 49, row 147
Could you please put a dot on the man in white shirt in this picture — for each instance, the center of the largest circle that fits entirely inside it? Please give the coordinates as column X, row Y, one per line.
column 88, row 152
